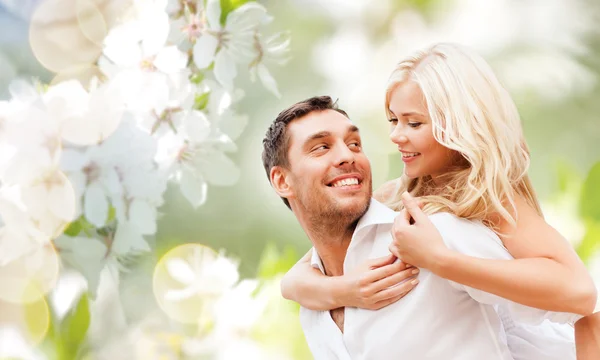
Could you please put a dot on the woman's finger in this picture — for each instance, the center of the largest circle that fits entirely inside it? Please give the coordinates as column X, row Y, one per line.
column 411, row 205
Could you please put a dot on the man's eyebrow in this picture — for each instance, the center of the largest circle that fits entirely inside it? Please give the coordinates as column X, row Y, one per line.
column 353, row 129
column 324, row 134
column 319, row 135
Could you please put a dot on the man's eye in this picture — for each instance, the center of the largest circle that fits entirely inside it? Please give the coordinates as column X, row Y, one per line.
column 320, row 147
column 355, row 144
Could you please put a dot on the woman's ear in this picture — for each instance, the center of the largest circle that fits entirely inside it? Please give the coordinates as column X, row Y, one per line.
column 281, row 182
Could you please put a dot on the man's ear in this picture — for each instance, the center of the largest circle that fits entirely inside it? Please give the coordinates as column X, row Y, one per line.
column 281, row 182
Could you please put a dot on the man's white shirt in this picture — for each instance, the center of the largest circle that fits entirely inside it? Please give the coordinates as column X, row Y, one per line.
column 438, row 319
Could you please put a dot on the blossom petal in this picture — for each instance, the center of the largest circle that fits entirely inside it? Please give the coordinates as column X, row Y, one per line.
column 95, row 205
column 267, row 80
column 225, row 70
column 213, row 13
column 178, row 295
column 143, row 216
column 232, row 125
column 180, row 270
column 26, row 166
column 170, row 60
column 247, row 17
column 14, row 243
column 204, row 51
column 72, row 160
column 88, row 255
column 120, row 45
column 218, row 169
column 156, row 30
column 196, row 126
column 128, row 239
column 193, row 188
column 62, row 200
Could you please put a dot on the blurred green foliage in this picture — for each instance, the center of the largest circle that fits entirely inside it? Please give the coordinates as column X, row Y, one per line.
column 66, row 337
column 590, row 212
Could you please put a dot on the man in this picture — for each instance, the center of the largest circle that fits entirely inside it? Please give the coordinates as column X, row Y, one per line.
column 314, row 160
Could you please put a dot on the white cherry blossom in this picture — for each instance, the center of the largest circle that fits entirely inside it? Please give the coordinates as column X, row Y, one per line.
column 226, row 45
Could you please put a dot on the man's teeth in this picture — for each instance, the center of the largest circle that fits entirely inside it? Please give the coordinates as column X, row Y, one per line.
column 346, row 182
column 410, row 154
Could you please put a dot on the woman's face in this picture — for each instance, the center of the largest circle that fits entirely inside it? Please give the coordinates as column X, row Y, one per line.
column 411, row 130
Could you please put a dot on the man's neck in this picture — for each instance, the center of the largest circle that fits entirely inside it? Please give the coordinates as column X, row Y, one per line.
column 331, row 245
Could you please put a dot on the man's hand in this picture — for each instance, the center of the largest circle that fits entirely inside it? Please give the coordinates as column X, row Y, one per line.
column 379, row 282
column 420, row 243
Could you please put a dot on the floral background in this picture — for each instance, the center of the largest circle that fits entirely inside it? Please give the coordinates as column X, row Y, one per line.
column 136, row 221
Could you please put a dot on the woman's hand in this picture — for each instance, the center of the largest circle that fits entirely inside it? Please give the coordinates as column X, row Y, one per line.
column 378, row 283
column 420, row 243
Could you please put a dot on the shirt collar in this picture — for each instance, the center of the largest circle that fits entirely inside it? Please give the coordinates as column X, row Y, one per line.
column 376, row 215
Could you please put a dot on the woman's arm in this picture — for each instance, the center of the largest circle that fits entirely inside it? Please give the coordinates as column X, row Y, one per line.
column 369, row 286
column 546, row 273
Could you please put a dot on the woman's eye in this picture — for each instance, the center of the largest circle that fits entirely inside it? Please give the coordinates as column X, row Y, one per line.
column 393, row 121
column 414, row 124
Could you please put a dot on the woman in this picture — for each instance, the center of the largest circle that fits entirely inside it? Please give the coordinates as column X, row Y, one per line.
column 461, row 140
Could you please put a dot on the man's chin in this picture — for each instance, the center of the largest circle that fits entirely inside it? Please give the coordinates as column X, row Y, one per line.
column 354, row 205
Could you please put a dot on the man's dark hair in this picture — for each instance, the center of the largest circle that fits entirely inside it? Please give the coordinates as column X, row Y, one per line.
column 276, row 141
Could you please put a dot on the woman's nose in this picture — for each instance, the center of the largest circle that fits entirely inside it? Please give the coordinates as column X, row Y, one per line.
column 397, row 136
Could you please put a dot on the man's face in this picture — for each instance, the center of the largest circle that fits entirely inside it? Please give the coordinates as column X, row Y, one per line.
column 329, row 173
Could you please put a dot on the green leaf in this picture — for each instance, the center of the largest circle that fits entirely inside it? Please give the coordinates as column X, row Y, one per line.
column 200, row 101
column 197, row 78
column 74, row 228
column 590, row 195
column 272, row 263
column 112, row 214
column 589, row 244
column 74, row 326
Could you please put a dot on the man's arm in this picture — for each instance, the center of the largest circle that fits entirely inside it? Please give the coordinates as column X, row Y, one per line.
column 587, row 337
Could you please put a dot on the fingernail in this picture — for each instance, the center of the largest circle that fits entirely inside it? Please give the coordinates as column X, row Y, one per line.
column 415, row 271
column 415, row 281
column 408, row 265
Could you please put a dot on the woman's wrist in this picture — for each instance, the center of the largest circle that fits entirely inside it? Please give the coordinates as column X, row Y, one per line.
column 443, row 260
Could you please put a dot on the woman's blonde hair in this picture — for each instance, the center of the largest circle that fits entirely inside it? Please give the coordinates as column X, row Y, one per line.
column 473, row 114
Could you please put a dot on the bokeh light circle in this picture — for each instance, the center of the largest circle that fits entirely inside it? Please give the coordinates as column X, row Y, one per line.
column 191, row 309
column 28, row 278
column 31, row 320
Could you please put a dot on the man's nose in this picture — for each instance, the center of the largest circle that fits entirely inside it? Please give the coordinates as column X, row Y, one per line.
column 344, row 155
